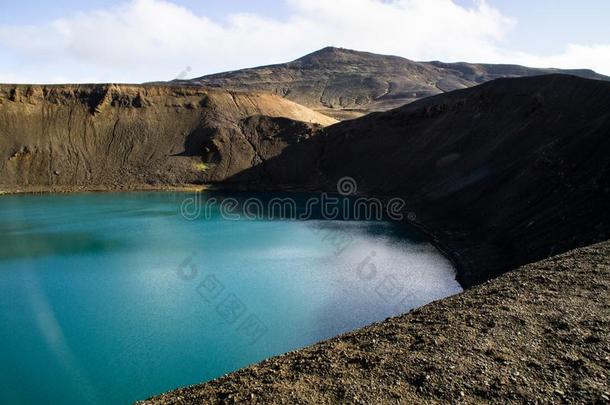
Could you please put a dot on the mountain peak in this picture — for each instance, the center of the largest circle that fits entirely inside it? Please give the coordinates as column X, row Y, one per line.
column 328, row 53
column 345, row 83
column 333, row 57
column 329, row 50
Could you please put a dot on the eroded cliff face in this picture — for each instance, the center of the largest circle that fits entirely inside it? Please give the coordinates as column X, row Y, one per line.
column 116, row 136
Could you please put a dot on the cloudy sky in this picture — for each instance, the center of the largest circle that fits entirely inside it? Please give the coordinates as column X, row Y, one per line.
column 146, row 40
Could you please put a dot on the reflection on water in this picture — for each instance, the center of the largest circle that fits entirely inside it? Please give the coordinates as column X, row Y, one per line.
column 110, row 298
column 14, row 245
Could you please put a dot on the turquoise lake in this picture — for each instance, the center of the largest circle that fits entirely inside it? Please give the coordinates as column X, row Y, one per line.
column 115, row 297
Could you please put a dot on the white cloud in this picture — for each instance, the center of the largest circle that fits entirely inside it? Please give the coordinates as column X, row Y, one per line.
column 10, row 78
column 143, row 40
column 574, row 56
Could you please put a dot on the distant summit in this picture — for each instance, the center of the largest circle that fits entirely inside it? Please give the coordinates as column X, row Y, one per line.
column 332, row 55
column 344, row 83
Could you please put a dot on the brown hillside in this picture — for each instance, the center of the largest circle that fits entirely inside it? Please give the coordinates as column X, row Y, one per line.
column 114, row 136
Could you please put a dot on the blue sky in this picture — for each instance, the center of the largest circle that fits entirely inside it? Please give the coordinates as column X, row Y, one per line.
column 545, row 26
column 28, row 12
column 146, row 40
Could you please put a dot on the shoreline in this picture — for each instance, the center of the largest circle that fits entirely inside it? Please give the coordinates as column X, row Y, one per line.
column 394, row 344
column 431, row 237
column 514, row 339
column 9, row 190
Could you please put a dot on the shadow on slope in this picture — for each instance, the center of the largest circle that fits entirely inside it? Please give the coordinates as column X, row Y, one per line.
column 502, row 174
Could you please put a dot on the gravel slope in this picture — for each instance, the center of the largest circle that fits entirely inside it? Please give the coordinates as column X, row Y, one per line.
column 537, row 334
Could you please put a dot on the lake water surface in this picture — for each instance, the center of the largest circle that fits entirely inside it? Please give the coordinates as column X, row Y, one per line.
column 111, row 298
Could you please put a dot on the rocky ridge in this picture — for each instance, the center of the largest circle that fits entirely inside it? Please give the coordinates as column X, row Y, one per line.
column 344, row 83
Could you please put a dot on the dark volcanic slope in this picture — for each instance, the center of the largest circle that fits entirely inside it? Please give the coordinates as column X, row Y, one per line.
column 538, row 334
column 505, row 173
column 346, row 84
